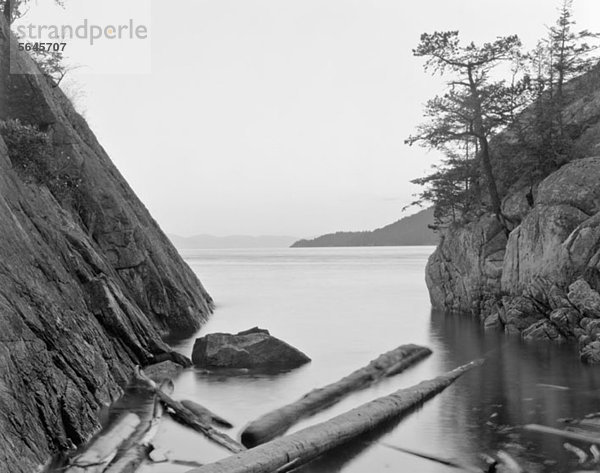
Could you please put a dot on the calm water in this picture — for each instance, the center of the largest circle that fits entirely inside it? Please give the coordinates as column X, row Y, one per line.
column 343, row 307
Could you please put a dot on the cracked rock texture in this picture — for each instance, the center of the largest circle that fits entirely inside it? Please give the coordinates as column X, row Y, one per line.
column 88, row 281
column 543, row 279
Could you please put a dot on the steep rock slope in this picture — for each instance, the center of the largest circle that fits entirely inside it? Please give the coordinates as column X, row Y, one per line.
column 542, row 280
column 88, row 282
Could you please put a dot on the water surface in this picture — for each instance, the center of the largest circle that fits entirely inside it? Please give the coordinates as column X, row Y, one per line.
column 344, row 307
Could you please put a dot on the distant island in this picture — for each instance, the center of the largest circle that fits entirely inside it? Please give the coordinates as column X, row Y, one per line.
column 198, row 242
column 408, row 231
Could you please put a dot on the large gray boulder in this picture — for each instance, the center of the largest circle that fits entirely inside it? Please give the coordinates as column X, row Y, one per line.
column 254, row 348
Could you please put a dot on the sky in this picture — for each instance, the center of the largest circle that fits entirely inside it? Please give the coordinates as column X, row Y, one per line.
column 284, row 117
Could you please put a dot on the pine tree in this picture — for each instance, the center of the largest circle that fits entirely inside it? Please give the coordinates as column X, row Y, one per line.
column 474, row 105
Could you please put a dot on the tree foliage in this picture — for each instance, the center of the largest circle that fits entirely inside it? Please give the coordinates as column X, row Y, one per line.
column 474, row 105
column 15, row 9
column 33, row 156
column 511, row 115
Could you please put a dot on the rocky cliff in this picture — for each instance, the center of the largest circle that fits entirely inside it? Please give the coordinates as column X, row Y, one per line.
column 88, row 281
column 542, row 279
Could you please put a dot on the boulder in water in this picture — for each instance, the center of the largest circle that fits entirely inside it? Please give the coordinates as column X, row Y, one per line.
column 254, row 348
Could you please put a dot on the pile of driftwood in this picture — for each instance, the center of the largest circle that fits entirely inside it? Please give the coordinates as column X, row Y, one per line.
column 128, row 443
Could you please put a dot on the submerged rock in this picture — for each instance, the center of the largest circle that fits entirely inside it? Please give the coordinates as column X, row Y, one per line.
column 254, row 348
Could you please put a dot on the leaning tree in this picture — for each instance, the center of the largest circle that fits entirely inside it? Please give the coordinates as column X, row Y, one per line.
column 475, row 105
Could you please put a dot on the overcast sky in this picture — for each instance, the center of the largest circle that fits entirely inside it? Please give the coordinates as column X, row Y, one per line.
column 286, row 116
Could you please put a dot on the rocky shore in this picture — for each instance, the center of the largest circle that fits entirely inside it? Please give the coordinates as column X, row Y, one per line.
column 88, row 281
column 542, row 278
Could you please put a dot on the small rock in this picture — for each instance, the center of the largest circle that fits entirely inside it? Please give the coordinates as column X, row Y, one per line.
column 584, row 298
column 173, row 356
column 521, row 313
column 566, row 319
column 158, row 455
column 160, row 372
column 492, row 322
column 542, row 330
column 254, row 348
column 591, row 353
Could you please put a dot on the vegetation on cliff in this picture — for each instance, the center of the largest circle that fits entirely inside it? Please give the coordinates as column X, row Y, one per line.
column 88, row 281
column 531, row 267
column 501, row 117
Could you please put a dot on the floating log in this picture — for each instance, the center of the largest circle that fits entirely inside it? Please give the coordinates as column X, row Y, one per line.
column 277, row 422
column 301, row 447
column 184, row 416
column 562, row 433
column 581, row 455
column 509, row 463
column 101, row 451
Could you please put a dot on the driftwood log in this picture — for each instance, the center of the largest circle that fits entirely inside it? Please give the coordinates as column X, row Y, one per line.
column 140, row 444
column 101, row 451
column 580, row 435
column 277, row 422
column 185, row 416
column 209, row 416
column 301, row 447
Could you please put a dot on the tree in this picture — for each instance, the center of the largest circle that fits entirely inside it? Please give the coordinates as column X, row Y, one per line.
column 570, row 52
column 452, row 187
column 558, row 58
column 474, row 105
column 15, row 9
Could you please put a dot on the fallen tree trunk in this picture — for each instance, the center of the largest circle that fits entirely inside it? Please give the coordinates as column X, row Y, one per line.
column 103, row 449
column 209, row 416
column 303, row 446
column 584, row 437
column 277, row 422
column 185, row 416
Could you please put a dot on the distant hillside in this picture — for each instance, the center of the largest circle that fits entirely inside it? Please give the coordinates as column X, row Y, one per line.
column 407, row 231
column 197, row 242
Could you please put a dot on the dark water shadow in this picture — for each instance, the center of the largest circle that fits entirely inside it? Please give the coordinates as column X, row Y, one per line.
column 521, row 382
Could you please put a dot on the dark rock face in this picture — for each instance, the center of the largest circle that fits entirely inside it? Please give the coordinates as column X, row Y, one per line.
column 254, row 348
column 88, row 281
column 543, row 281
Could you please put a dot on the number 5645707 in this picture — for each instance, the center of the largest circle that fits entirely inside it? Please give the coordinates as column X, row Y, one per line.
column 50, row 47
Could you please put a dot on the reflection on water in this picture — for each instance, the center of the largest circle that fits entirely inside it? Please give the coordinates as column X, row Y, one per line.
column 344, row 307
column 521, row 383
